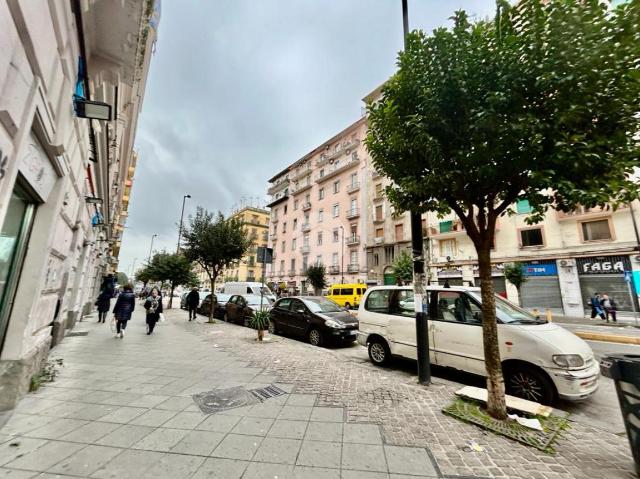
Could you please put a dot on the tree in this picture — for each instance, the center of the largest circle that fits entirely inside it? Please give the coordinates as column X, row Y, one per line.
column 121, row 278
column 317, row 278
column 174, row 269
column 144, row 275
column 539, row 104
column 514, row 273
column 214, row 242
column 403, row 268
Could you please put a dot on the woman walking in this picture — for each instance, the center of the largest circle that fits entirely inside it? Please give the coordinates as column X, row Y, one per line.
column 103, row 304
column 153, row 305
column 125, row 304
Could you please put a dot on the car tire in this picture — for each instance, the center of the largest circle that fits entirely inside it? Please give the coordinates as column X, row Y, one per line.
column 272, row 328
column 347, row 305
column 315, row 337
column 529, row 383
column 379, row 352
column 245, row 322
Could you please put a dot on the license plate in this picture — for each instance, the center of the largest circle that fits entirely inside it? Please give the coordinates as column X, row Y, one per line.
column 352, row 333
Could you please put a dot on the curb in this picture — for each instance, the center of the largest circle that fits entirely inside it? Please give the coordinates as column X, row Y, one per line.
column 611, row 338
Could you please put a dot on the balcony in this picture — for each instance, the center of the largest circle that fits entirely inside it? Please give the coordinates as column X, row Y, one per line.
column 277, row 187
column 353, row 187
column 345, row 148
column 302, row 172
column 305, row 228
column 274, row 236
column 378, row 240
column 353, row 268
column 353, row 213
column 377, row 221
column 378, row 196
column 338, row 170
column 306, row 206
column 281, row 273
column 376, row 174
column 277, row 201
column 301, row 189
column 334, row 269
column 305, row 249
column 582, row 212
column 303, row 271
column 292, row 272
column 351, row 240
column 274, row 220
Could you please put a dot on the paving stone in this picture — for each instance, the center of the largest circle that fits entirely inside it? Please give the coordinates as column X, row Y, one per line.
column 408, row 460
column 57, row 428
column 174, row 466
column 217, row 468
column 324, row 431
column 86, row 461
column 367, row 475
column 91, row 432
column 16, row 474
column 185, row 420
column 257, row 470
column 130, row 464
column 161, row 439
column 199, row 443
column 18, row 447
column 320, row 454
column 265, row 410
column 20, row 424
column 327, row 414
column 219, row 423
column 305, row 472
column 45, row 456
column 253, row 426
column 302, row 399
column 363, row 457
column 153, row 418
column 148, row 400
column 125, row 436
column 236, row 446
column 93, row 412
column 278, row 450
column 175, row 403
column 288, row 429
column 123, row 415
column 362, row 433
column 296, row 413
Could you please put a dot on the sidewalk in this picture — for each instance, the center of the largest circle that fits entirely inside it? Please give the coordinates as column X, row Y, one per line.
column 123, row 408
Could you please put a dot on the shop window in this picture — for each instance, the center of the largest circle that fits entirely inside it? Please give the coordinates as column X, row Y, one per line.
column 523, row 207
column 596, row 230
column 531, row 237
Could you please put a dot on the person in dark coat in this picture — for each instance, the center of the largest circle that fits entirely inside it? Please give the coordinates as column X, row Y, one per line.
column 153, row 305
column 104, row 304
column 193, row 300
column 125, row 304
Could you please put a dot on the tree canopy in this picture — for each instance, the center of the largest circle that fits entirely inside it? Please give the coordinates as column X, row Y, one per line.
column 121, row 278
column 317, row 276
column 403, row 267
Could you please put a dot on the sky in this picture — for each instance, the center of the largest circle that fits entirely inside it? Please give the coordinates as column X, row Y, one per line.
column 240, row 89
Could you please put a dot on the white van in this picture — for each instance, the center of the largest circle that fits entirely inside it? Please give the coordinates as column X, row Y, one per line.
column 541, row 361
column 248, row 287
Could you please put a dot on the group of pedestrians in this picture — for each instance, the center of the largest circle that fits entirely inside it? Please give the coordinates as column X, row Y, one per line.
column 604, row 307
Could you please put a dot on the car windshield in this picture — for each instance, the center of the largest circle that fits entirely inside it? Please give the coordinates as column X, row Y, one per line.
column 223, row 298
column 509, row 313
column 322, row 305
column 266, row 291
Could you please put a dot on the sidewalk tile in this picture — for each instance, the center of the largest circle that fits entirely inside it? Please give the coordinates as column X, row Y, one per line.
column 23, row 423
column 277, row 450
column 363, row 457
column 257, row 470
column 93, row 412
column 123, row 415
column 57, row 428
column 302, row 399
column 238, row 411
column 288, row 429
column 362, row 434
column 125, row 436
column 328, row 414
column 253, row 426
column 218, row 423
column 174, row 466
column 162, row 439
column 236, row 446
column 85, row 462
column 153, row 418
column 46, row 456
column 296, row 413
column 148, row 400
column 369, row 475
column 67, row 409
column 16, row 474
column 199, row 443
column 409, row 460
column 18, row 447
column 265, row 410
column 176, row 403
column 130, row 464
column 324, row 431
column 215, row 468
column 91, row 432
column 320, row 454
column 305, row 472
column 185, row 420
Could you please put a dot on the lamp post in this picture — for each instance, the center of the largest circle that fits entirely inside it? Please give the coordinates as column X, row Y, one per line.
column 184, row 198
column 342, row 257
column 151, row 248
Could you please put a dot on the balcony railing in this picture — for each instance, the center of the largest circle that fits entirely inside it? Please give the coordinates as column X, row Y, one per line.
column 353, row 187
column 334, row 269
column 347, row 146
column 292, row 272
column 273, row 236
column 353, row 239
column 353, row 268
column 330, row 174
column 353, row 213
column 274, row 220
column 306, row 206
column 378, row 220
column 303, row 271
column 281, row 273
column 378, row 196
column 305, row 228
column 278, row 187
column 305, row 249
column 301, row 188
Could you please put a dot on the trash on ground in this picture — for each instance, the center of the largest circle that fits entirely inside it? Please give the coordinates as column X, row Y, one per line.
column 526, row 422
column 474, row 446
column 519, row 404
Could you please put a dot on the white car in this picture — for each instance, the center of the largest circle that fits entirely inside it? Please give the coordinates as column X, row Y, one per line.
column 541, row 361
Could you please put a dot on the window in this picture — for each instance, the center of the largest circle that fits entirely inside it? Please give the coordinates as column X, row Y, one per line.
column 293, row 264
column 321, row 193
column 354, row 258
column 281, row 266
column 379, row 232
column 295, row 224
column 354, row 156
column 284, row 303
column 305, row 240
column 293, row 244
column 403, row 305
column 446, row 226
column 322, row 173
column 319, row 260
column 379, row 190
column 334, row 259
column 596, row 230
column 255, row 218
column 378, row 301
column 284, row 227
column 399, row 232
column 284, row 246
column 295, row 205
column 346, row 291
column 376, row 259
column 389, row 254
column 320, row 215
column 448, row 248
column 285, row 209
column 319, row 238
column 354, row 180
column 336, row 235
column 336, row 187
column 336, row 210
column 523, row 207
column 531, row 237
column 379, row 216
column 457, row 307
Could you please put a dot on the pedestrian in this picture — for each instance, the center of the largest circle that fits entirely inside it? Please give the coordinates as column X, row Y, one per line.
column 125, row 304
column 153, row 305
column 193, row 300
column 103, row 303
column 610, row 308
column 596, row 306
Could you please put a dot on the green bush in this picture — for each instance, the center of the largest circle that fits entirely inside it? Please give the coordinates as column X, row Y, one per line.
column 260, row 320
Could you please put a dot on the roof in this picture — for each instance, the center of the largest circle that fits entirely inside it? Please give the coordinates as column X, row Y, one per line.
column 431, row 287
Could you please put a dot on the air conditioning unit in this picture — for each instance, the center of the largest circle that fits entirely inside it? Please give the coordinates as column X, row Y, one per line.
column 378, row 240
column 564, row 262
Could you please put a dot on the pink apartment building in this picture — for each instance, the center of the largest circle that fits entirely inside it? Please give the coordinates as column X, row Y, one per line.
column 318, row 212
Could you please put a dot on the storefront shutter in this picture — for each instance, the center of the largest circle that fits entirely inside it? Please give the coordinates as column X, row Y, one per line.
column 542, row 292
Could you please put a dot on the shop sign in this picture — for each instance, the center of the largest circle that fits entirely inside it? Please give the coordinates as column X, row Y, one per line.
column 603, row 265
column 37, row 169
column 540, row 269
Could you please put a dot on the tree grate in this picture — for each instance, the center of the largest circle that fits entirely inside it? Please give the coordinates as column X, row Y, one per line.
column 269, row 392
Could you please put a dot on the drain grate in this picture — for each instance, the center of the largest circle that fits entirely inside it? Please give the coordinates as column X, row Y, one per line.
column 211, row 402
column 267, row 393
column 78, row 333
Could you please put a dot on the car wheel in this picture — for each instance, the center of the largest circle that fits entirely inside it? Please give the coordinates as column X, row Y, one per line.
column 315, row 337
column 347, row 305
column 246, row 322
column 272, row 328
column 379, row 352
column 528, row 383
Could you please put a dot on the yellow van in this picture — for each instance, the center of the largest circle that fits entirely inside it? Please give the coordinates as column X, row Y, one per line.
column 347, row 295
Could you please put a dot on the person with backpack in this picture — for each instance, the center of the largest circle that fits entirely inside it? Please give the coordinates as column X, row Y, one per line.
column 125, row 305
column 193, row 300
column 596, row 306
column 153, row 305
column 610, row 308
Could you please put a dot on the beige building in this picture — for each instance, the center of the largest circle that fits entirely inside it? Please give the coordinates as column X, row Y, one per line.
column 256, row 225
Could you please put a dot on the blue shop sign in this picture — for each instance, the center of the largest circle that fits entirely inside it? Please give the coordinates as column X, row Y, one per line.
column 541, row 269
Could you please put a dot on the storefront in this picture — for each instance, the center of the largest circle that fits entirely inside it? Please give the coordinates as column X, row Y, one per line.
column 541, row 291
column 450, row 276
column 497, row 276
column 605, row 275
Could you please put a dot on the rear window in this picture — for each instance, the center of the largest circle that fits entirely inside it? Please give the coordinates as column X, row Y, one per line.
column 378, row 301
column 346, row 291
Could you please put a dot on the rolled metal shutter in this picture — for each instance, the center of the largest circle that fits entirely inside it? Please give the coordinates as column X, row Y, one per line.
column 613, row 285
column 542, row 292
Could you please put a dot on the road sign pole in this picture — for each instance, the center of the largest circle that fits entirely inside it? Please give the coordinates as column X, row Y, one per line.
column 628, row 279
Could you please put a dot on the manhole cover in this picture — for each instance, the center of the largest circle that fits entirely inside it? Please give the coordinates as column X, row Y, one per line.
column 78, row 333
column 267, row 393
column 211, row 402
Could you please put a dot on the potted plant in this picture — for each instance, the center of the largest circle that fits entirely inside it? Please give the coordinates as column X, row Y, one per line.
column 260, row 321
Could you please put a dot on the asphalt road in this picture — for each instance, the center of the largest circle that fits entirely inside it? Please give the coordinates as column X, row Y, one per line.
column 601, row 410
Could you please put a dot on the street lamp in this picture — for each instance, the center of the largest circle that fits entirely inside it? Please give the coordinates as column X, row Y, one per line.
column 342, row 257
column 184, row 198
column 151, row 248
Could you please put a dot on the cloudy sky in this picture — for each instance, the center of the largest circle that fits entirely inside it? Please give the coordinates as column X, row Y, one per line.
column 239, row 89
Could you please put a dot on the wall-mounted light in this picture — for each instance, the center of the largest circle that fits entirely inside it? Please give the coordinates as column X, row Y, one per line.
column 94, row 110
column 92, row 200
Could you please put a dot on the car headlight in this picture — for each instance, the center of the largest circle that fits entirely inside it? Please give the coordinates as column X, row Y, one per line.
column 568, row 360
column 333, row 324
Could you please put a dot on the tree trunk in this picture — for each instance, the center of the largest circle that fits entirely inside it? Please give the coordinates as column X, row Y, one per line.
column 171, row 296
column 496, row 404
column 519, row 296
column 260, row 334
column 212, row 307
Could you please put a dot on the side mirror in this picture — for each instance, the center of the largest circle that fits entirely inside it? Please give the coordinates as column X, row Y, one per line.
column 301, row 311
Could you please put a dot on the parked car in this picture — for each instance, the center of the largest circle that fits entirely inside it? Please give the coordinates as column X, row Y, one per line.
column 347, row 295
column 240, row 308
column 317, row 319
column 220, row 301
column 541, row 361
column 183, row 300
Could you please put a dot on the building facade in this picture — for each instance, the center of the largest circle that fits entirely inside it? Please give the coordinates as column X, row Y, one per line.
column 64, row 180
column 318, row 213
column 256, row 225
